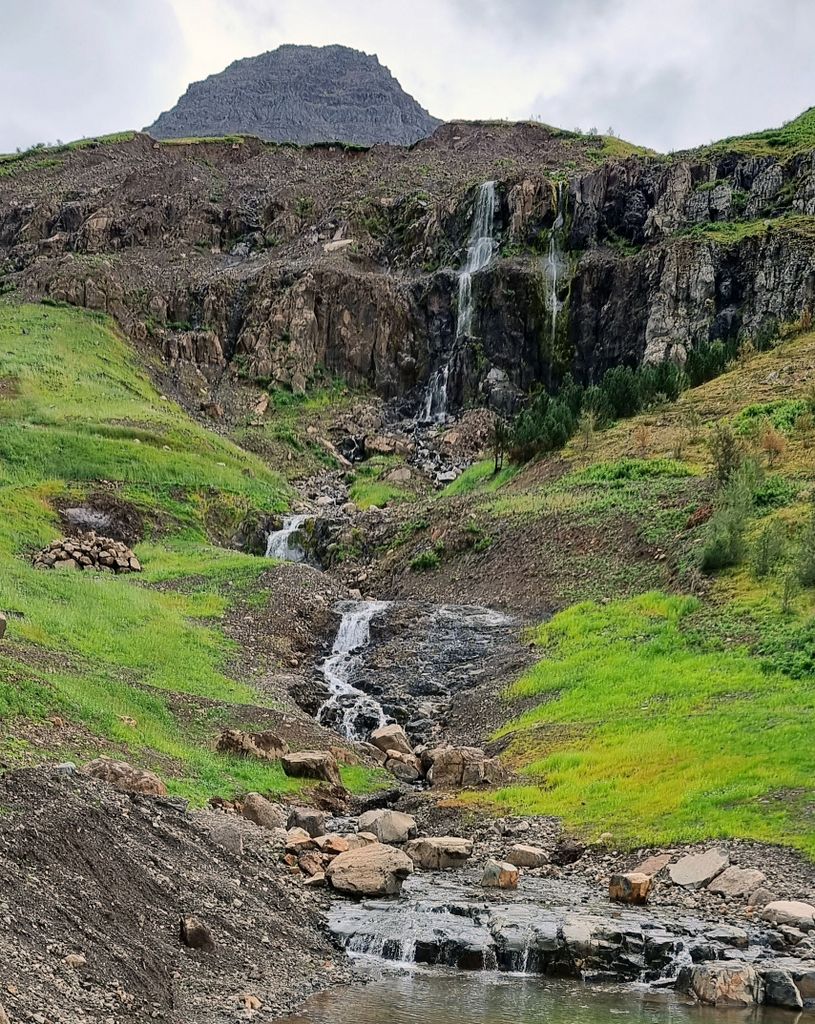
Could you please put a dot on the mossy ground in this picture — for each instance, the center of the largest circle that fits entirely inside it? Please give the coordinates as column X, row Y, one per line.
column 115, row 656
column 681, row 714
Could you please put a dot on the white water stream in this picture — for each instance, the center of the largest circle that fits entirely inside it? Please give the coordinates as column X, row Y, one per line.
column 284, row 543
column 480, row 247
column 554, row 260
column 351, row 711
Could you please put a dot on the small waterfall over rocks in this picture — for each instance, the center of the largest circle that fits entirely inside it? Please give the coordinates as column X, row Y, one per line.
column 349, row 710
column 284, row 543
column 480, row 248
column 555, row 261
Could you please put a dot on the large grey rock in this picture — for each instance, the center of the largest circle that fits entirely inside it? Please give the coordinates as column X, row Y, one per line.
column 434, row 854
column 457, row 767
column 780, row 989
column 301, row 94
column 737, row 882
column 377, row 870
column 721, row 983
column 798, row 914
column 698, row 869
column 263, row 812
column 312, row 764
column 388, row 826
column 523, row 856
column 307, row 818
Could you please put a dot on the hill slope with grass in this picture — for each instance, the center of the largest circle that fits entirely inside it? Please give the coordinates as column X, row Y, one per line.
column 139, row 667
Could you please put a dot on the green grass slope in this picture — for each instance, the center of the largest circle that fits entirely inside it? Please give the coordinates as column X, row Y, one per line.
column 653, row 714
column 130, row 667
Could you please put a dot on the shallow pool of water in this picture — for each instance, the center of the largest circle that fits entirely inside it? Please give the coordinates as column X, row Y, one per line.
column 433, row 996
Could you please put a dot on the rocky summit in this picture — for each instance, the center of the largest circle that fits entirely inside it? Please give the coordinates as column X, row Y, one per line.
column 302, row 94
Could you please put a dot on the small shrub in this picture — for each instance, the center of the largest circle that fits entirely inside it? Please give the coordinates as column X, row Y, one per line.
column 724, row 544
column 773, row 443
column 768, row 549
column 633, row 469
column 774, row 492
column 726, row 451
column 426, row 560
column 642, row 439
column 586, row 426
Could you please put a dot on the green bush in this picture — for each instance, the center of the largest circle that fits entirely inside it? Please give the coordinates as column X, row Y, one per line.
column 635, row 469
column 426, row 560
column 775, row 492
column 724, row 544
column 782, row 414
column 726, row 451
column 805, row 557
column 768, row 549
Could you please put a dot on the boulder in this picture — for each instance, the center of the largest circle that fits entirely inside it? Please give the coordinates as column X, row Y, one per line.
column 780, row 989
column 523, row 856
column 297, row 840
column 721, row 983
column 439, row 852
column 312, row 764
column 266, row 746
column 569, row 851
column 317, row 880
column 456, row 767
column 312, row 862
column 729, row 935
column 125, row 777
column 376, row 870
column 404, row 766
column 653, row 865
column 388, row 826
column 699, row 869
column 359, row 839
column 798, row 914
column 737, row 882
column 391, row 737
column 498, row 874
column 196, row 935
column 307, row 818
column 629, row 887
column 332, row 844
column 263, row 812
column 369, row 750
column 761, row 897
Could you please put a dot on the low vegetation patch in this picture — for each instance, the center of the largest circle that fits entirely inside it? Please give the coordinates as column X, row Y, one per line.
column 639, row 730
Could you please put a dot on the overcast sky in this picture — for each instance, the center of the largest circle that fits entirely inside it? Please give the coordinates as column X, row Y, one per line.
column 664, row 73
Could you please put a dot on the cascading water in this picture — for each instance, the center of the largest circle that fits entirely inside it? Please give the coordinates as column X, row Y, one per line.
column 480, row 247
column 348, row 709
column 285, row 543
column 555, row 260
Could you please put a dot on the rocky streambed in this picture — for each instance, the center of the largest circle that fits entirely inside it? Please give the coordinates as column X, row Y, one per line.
column 565, row 929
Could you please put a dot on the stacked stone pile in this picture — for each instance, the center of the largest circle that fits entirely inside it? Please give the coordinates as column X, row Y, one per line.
column 88, row 551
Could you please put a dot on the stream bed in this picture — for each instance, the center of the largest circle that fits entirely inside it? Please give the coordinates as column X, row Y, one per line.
column 434, row 996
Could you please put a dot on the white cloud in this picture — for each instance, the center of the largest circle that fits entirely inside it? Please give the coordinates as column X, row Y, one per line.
column 667, row 73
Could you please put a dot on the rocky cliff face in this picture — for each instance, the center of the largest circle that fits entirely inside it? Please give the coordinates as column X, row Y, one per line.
column 286, row 263
column 302, row 94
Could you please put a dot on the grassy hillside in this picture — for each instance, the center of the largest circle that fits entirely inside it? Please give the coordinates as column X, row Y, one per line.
column 131, row 665
column 681, row 714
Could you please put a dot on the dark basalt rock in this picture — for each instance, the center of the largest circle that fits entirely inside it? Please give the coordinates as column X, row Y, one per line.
column 302, row 94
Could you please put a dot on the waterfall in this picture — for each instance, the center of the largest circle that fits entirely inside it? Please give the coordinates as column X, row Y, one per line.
column 480, row 248
column 554, row 259
column 284, row 543
column 354, row 713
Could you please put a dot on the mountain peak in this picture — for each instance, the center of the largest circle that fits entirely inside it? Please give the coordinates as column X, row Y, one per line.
column 302, row 94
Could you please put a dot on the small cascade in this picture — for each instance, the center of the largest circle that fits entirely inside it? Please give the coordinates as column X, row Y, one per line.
column 348, row 709
column 480, row 247
column 284, row 544
column 555, row 260
column 680, row 958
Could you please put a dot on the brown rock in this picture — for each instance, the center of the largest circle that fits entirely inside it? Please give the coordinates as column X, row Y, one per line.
column 439, row 852
column 377, row 870
column 498, row 874
column 125, row 777
column 653, row 865
column 359, row 839
column 312, row 764
column 391, row 737
column 630, row 887
column 266, row 746
column 317, row 880
column 721, row 983
column 312, row 862
column 332, row 844
column 196, row 935
column 456, row 767
column 297, row 840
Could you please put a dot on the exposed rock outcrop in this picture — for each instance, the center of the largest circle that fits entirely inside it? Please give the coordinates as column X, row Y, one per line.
column 301, row 94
